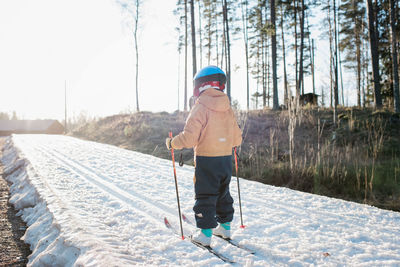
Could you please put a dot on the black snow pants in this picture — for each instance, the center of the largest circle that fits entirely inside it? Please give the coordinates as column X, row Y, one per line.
column 213, row 200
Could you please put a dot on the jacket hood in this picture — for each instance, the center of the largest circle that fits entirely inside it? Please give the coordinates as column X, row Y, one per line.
column 214, row 99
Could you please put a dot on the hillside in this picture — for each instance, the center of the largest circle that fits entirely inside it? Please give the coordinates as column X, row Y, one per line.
column 358, row 159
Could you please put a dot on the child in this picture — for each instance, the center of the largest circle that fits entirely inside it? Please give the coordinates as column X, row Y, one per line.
column 211, row 129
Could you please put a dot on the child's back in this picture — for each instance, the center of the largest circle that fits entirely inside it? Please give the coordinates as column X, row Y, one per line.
column 211, row 129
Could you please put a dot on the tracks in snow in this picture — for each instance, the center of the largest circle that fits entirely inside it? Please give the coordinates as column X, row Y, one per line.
column 141, row 204
column 149, row 209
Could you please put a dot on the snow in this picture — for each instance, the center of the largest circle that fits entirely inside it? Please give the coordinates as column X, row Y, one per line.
column 90, row 204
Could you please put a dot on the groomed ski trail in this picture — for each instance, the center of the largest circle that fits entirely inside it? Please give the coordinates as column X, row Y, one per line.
column 91, row 188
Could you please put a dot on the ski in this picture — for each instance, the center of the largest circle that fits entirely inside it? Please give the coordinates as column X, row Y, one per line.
column 234, row 243
column 212, row 251
column 208, row 248
column 229, row 240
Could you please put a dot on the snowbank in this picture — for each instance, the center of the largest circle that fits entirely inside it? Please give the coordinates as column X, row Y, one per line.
column 43, row 234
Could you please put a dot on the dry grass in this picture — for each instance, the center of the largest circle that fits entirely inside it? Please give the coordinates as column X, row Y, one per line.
column 301, row 148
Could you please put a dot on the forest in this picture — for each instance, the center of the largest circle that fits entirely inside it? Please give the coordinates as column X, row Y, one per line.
column 277, row 43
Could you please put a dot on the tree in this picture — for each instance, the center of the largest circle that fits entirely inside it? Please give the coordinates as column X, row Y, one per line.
column 132, row 8
column 394, row 57
column 244, row 9
column 227, row 45
column 137, row 54
column 210, row 29
column 194, row 63
column 199, row 7
column 285, row 80
column 186, row 42
column 301, row 73
column 258, row 46
column 181, row 11
column 384, row 37
column 331, row 61
column 352, row 17
column 336, row 86
column 374, row 53
column 273, row 54
column 311, row 55
column 295, row 15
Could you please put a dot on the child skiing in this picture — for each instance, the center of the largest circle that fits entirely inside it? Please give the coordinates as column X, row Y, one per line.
column 211, row 129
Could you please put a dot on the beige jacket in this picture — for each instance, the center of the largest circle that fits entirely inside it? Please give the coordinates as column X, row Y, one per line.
column 211, row 127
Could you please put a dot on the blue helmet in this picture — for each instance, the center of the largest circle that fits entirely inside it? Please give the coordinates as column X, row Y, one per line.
column 209, row 74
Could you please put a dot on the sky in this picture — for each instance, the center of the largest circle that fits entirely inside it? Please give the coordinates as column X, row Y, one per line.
column 86, row 47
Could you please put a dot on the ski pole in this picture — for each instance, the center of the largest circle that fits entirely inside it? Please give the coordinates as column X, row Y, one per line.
column 176, row 189
column 240, row 202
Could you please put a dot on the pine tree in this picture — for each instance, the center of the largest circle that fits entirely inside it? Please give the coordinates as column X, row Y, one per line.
column 352, row 14
column 244, row 9
column 274, row 57
column 193, row 27
column 373, row 38
column 285, row 78
column 186, row 58
column 396, row 96
column 200, row 31
column 257, row 46
column 226, row 6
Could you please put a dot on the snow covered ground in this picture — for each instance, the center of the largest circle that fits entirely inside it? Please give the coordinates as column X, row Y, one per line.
column 92, row 204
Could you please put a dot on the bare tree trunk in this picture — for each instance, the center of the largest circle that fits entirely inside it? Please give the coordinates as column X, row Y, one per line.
column 267, row 57
column 223, row 48
column 267, row 70
column 295, row 51
column 311, row 50
column 394, row 58
column 246, row 47
column 340, row 60
column 179, row 76
column 364, row 69
column 313, row 65
column 200, row 36
column 336, row 87
column 263, row 74
column 228, row 49
column 275, row 104
column 285, row 94
column 358, row 55
column 194, row 63
column 330, row 54
column 209, row 40
column 263, row 65
column 186, row 59
column 341, row 76
column 258, row 72
column 137, row 55
column 217, row 40
column 358, row 58
column 374, row 54
column 301, row 71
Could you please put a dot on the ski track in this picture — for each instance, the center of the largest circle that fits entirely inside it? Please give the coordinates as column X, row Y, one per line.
column 110, row 203
column 147, row 208
column 92, row 180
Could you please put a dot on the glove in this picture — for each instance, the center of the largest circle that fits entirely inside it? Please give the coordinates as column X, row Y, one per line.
column 168, row 143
